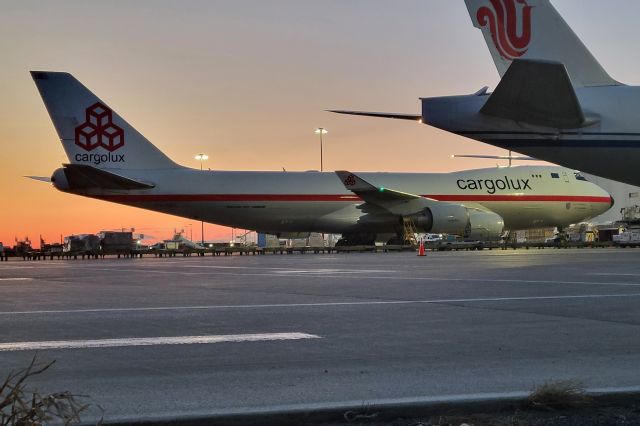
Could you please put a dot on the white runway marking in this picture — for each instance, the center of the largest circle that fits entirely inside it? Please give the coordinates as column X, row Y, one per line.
column 152, row 341
column 372, row 277
column 325, row 304
column 327, row 271
column 284, row 270
column 16, row 279
column 614, row 274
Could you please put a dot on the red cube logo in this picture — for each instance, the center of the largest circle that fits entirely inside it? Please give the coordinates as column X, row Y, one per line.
column 99, row 130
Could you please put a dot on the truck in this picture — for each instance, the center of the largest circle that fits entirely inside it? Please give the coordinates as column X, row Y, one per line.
column 116, row 242
column 627, row 238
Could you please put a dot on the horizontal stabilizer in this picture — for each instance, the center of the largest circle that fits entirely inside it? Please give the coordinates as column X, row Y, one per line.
column 538, row 93
column 396, row 116
column 40, row 178
column 395, row 202
column 81, row 176
column 495, row 157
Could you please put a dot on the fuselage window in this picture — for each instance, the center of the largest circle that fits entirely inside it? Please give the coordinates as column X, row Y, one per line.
column 555, row 175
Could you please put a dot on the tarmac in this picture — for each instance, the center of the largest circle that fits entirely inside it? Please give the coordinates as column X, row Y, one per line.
column 200, row 336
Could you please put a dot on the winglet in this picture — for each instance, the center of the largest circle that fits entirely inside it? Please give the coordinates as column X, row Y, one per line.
column 354, row 183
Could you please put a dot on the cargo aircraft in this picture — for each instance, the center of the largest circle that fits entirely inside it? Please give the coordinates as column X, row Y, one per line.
column 555, row 101
column 109, row 160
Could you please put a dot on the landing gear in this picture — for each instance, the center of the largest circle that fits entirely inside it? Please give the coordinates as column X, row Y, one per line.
column 396, row 241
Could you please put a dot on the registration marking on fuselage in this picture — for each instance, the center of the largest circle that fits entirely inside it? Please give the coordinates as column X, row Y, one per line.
column 152, row 341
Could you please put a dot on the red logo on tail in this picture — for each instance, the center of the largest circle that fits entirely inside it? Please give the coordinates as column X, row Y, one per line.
column 99, row 130
column 350, row 180
column 511, row 40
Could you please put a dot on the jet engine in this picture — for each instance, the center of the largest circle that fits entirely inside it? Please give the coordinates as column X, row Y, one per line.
column 459, row 220
column 484, row 226
column 442, row 218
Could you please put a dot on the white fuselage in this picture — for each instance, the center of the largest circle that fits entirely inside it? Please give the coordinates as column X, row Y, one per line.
column 279, row 202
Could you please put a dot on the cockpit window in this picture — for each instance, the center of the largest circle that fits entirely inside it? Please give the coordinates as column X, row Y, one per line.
column 580, row 177
column 555, row 175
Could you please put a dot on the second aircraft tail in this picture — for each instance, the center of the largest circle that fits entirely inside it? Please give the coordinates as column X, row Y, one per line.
column 533, row 29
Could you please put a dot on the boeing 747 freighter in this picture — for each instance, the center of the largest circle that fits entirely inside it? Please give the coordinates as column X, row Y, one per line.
column 109, row 160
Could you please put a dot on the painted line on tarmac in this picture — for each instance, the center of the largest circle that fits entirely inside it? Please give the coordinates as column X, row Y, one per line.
column 323, row 304
column 152, row 341
column 277, row 270
column 371, row 277
column 614, row 274
column 16, row 279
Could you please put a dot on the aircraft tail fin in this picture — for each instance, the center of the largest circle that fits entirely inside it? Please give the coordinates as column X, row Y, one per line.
column 533, row 29
column 91, row 132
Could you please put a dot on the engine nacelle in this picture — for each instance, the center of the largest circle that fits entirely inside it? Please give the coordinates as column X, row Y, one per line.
column 59, row 180
column 484, row 226
column 442, row 218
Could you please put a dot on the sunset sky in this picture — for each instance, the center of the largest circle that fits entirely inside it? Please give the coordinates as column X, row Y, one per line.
column 246, row 81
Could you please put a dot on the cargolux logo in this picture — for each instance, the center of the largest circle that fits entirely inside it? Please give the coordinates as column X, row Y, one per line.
column 511, row 40
column 493, row 185
column 99, row 130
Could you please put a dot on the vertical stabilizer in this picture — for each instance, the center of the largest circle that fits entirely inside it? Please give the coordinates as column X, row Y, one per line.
column 533, row 29
column 90, row 131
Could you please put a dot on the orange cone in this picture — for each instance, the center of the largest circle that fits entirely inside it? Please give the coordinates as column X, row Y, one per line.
column 421, row 251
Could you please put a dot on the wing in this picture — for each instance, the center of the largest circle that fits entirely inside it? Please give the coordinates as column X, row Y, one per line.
column 395, row 202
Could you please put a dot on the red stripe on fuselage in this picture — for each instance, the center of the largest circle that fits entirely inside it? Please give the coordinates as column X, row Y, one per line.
column 142, row 198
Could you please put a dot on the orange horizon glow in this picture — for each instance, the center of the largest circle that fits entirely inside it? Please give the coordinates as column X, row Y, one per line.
column 247, row 83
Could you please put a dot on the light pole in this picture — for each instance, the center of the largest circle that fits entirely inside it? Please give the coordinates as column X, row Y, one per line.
column 321, row 131
column 202, row 158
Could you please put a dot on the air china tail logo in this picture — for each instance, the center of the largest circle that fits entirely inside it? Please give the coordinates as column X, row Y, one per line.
column 99, row 130
column 350, row 180
column 509, row 22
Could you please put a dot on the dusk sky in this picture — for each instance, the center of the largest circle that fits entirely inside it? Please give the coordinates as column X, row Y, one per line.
column 246, row 81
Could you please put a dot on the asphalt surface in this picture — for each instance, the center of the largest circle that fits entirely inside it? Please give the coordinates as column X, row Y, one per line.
column 376, row 327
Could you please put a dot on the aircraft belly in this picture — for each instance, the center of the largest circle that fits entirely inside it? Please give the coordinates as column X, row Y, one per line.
column 272, row 216
column 525, row 215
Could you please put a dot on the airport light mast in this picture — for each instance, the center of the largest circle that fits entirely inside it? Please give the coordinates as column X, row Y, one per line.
column 321, row 131
column 202, row 158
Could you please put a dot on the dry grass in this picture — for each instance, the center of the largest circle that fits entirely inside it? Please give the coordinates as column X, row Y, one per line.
column 20, row 406
column 559, row 395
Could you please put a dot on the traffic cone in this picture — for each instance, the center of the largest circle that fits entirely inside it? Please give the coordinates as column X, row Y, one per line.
column 421, row 251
